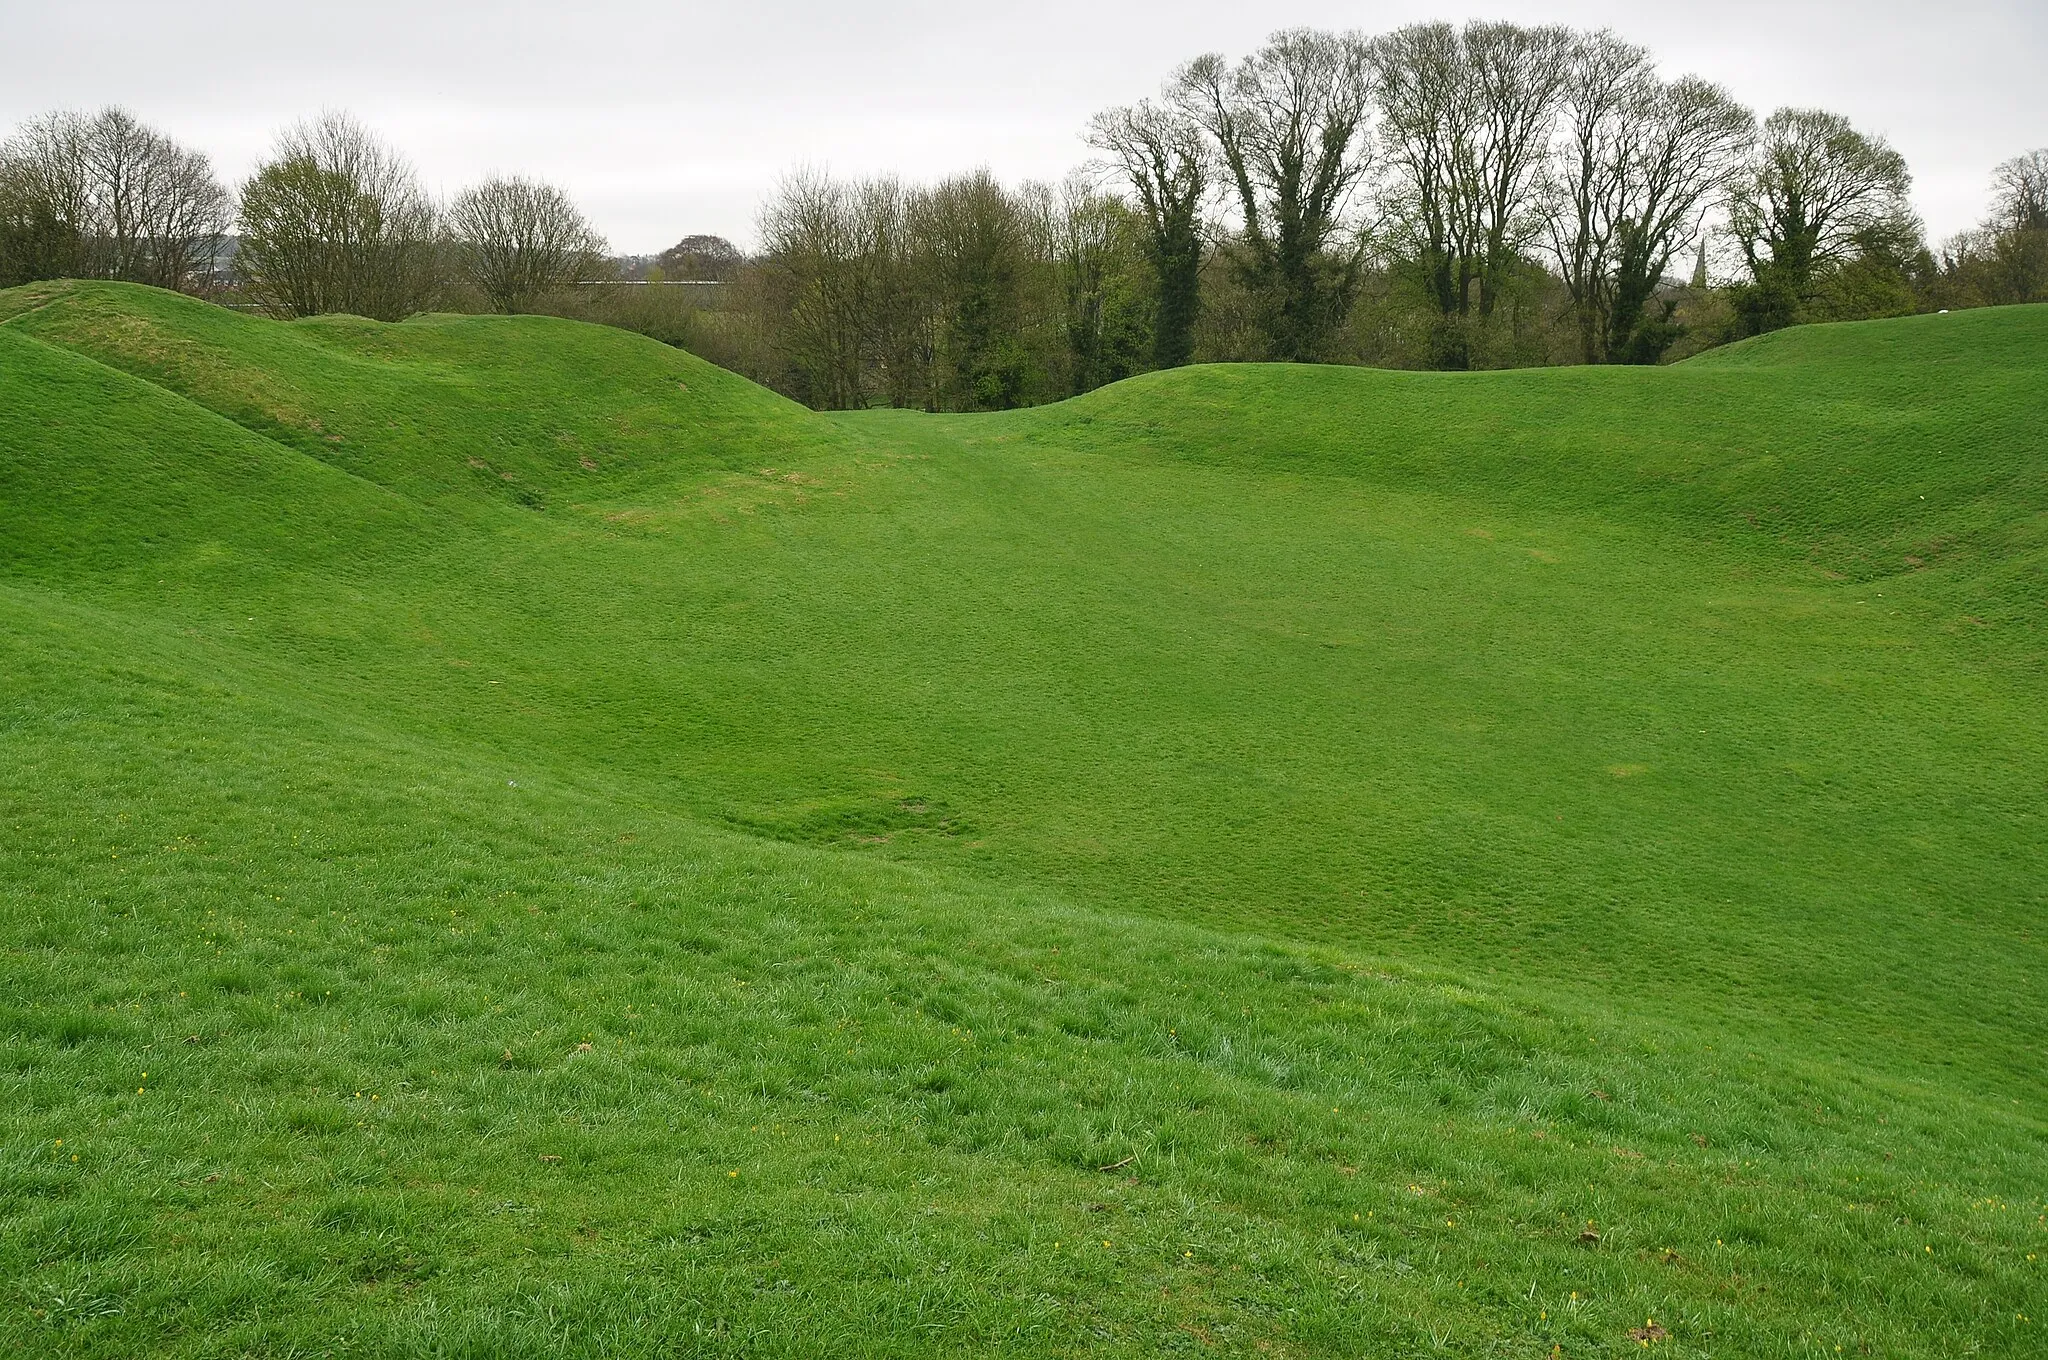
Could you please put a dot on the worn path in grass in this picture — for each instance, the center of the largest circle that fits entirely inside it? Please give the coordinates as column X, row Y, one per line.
column 390, row 706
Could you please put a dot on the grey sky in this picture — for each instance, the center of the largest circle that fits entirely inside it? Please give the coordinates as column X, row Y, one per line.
column 671, row 118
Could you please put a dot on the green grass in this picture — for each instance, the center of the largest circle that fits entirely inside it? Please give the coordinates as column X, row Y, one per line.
column 1254, row 860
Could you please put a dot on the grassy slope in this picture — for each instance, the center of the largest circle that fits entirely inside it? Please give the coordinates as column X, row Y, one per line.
column 1305, row 653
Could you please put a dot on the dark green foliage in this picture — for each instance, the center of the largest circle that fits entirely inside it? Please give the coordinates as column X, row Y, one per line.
column 1639, row 326
column 1820, row 199
column 1163, row 160
column 1177, row 266
column 1109, row 298
column 975, row 242
column 1651, row 336
column 1768, row 302
column 1887, row 274
column 35, row 243
column 1884, row 271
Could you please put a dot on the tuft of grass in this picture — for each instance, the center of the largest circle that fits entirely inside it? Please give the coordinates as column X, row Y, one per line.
column 1255, row 860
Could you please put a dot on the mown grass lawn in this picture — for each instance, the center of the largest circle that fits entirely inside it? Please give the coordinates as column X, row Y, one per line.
column 1254, row 859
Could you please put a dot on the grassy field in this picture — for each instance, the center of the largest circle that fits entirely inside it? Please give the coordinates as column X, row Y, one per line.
column 514, row 841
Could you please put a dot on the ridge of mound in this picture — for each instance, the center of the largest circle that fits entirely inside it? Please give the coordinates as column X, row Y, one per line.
column 1870, row 449
column 537, row 411
column 105, row 473
column 1978, row 338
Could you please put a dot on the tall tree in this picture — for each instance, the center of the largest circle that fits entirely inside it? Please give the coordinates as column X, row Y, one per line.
column 825, row 252
column 1688, row 142
column 977, row 242
column 945, row 297
column 517, row 239
column 1608, row 83
column 2019, row 189
column 1289, row 123
column 2005, row 259
column 45, row 218
column 35, row 243
column 907, row 308
column 1815, row 187
column 1429, row 129
column 2020, row 226
column 1160, row 152
column 1517, row 75
column 336, row 222
column 1095, row 245
column 1640, row 164
column 1466, row 116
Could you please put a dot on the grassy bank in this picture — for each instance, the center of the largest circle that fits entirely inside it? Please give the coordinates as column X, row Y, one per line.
column 1364, row 863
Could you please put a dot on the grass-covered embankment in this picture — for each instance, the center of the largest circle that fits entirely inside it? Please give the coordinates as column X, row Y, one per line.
column 1458, row 803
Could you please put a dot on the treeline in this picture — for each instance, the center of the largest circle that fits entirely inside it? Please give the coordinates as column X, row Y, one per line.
column 2004, row 260
column 332, row 221
column 1446, row 197
column 107, row 198
column 1489, row 195
column 961, row 295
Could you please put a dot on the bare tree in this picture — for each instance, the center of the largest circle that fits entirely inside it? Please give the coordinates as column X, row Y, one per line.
column 1429, row 126
column 976, row 239
column 1689, row 142
column 2019, row 190
column 1466, row 116
column 35, row 243
column 1608, row 84
column 187, row 223
column 2020, row 194
column 1289, row 124
column 960, row 296
column 1815, row 187
column 826, row 254
column 905, row 309
column 111, row 198
column 124, row 169
column 1517, row 75
column 2004, row 260
column 336, row 222
column 1641, row 163
column 45, row 201
column 517, row 239
column 1160, row 153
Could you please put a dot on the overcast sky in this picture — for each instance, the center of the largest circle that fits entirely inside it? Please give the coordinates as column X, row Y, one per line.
column 670, row 118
